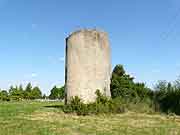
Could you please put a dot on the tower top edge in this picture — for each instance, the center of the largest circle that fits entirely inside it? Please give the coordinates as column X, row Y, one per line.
column 86, row 31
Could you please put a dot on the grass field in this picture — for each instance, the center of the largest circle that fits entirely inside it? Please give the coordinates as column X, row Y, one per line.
column 46, row 118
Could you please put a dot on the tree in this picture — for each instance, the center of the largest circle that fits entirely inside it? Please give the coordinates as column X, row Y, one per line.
column 123, row 85
column 16, row 93
column 161, row 85
column 119, row 70
column 62, row 92
column 4, row 95
column 44, row 96
column 21, row 88
column 167, row 95
column 28, row 87
column 35, row 93
column 27, row 92
column 57, row 93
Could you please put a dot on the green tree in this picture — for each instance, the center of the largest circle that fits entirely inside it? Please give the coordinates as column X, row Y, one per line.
column 119, row 70
column 44, row 96
column 21, row 88
column 123, row 85
column 16, row 93
column 27, row 92
column 35, row 93
column 4, row 95
column 166, row 96
column 57, row 93
column 28, row 87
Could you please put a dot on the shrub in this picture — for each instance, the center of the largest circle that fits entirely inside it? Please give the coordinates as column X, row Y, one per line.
column 104, row 105
column 101, row 105
column 76, row 106
column 4, row 96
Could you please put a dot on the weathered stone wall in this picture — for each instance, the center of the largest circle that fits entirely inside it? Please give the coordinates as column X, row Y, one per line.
column 88, row 65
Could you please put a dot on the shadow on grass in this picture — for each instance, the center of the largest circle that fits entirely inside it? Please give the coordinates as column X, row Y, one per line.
column 54, row 106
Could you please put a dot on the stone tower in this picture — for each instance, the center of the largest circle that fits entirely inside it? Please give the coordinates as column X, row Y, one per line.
column 88, row 65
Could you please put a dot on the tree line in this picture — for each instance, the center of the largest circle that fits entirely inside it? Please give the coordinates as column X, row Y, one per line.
column 164, row 97
column 19, row 93
column 128, row 95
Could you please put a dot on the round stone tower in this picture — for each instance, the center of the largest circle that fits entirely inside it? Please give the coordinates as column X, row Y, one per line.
column 88, row 65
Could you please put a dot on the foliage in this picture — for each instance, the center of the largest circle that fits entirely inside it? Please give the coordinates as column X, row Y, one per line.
column 4, row 95
column 123, row 85
column 36, row 93
column 44, row 96
column 76, row 106
column 167, row 97
column 31, row 93
column 101, row 105
column 57, row 93
column 18, row 93
column 126, row 95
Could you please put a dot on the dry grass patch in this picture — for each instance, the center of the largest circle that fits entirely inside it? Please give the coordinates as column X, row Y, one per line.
column 127, row 122
column 37, row 119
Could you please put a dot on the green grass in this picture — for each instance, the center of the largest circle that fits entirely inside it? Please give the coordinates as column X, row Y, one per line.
column 45, row 118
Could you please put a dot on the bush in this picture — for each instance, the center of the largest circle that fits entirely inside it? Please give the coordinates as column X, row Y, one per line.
column 104, row 105
column 101, row 105
column 76, row 106
column 167, row 97
column 123, row 85
column 118, row 105
column 5, row 98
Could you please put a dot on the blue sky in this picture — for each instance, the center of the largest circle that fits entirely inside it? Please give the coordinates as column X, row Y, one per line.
column 144, row 36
